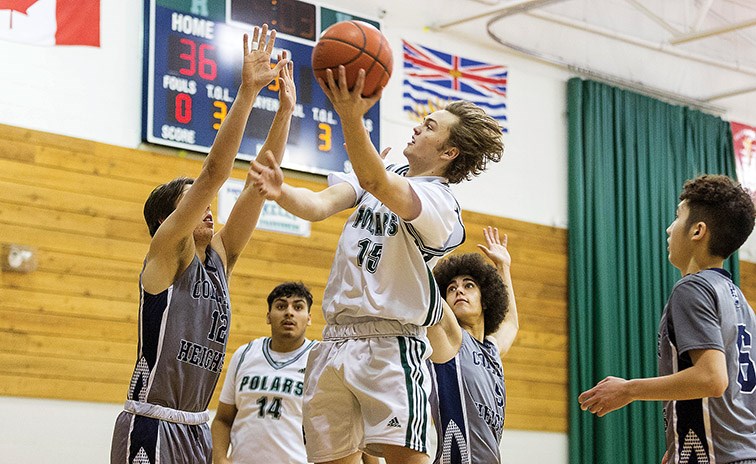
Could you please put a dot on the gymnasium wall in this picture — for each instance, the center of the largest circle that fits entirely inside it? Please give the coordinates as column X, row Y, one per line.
column 68, row 330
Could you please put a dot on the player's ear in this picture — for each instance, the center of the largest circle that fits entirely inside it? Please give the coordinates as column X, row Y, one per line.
column 267, row 317
column 450, row 153
column 698, row 231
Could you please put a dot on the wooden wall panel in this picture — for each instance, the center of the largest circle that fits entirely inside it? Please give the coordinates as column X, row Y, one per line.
column 69, row 330
column 748, row 281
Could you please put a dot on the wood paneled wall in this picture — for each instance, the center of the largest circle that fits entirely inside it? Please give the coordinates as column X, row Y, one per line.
column 748, row 282
column 68, row 330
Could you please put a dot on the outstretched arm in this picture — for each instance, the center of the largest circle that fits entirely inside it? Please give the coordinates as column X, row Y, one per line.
column 301, row 202
column 172, row 248
column 393, row 190
column 235, row 235
column 497, row 252
column 706, row 378
column 446, row 336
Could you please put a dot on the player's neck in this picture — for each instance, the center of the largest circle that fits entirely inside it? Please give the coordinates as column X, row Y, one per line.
column 426, row 171
column 477, row 331
column 700, row 262
column 285, row 345
column 425, row 166
column 201, row 242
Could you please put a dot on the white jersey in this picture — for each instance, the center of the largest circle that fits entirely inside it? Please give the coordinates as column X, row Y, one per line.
column 382, row 267
column 267, row 392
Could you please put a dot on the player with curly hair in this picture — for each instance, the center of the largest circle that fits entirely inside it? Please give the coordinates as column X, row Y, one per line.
column 478, row 327
column 707, row 374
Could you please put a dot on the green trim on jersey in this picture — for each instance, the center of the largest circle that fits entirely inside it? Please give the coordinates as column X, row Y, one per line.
column 412, row 352
column 434, row 312
column 277, row 364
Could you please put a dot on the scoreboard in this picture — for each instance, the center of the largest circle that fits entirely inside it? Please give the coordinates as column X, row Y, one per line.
column 193, row 56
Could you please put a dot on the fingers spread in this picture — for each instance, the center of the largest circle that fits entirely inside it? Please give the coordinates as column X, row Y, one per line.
column 271, row 42
column 263, row 36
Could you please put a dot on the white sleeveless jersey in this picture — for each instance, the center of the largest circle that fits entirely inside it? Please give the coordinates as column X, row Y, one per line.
column 382, row 267
column 268, row 396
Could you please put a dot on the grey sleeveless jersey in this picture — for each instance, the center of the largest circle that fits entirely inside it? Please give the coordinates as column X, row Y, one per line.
column 182, row 338
column 707, row 311
column 467, row 403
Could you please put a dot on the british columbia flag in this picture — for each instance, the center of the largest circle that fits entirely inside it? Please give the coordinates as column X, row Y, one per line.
column 433, row 78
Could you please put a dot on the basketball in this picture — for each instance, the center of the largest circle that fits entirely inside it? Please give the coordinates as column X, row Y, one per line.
column 355, row 45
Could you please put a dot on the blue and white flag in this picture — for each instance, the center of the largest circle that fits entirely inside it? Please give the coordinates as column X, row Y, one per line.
column 432, row 79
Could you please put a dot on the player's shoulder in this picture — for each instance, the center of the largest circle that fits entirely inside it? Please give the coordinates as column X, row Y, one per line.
column 252, row 344
column 700, row 286
column 707, row 279
column 310, row 344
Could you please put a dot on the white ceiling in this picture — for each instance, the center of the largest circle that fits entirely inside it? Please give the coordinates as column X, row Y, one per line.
column 702, row 51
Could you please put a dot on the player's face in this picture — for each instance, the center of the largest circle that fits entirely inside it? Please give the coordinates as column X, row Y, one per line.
column 678, row 242
column 463, row 295
column 289, row 317
column 429, row 138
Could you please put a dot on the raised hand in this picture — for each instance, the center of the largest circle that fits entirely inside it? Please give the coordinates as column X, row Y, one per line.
column 266, row 180
column 287, row 91
column 348, row 104
column 496, row 248
column 256, row 70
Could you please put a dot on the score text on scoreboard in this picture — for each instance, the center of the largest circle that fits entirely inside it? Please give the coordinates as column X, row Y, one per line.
column 193, row 58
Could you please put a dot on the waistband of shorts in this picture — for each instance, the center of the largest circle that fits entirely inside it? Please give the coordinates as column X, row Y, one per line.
column 167, row 414
column 371, row 329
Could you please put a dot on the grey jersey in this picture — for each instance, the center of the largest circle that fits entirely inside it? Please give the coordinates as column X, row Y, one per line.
column 467, row 404
column 182, row 343
column 706, row 311
column 182, row 338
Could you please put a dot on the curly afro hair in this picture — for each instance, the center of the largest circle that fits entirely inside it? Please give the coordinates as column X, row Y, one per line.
column 724, row 206
column 493, row 292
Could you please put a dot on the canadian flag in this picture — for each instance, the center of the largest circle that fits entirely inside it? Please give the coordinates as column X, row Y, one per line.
column 51, row 22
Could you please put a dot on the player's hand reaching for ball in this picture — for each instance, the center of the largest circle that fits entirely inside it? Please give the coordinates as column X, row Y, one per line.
column 349, row 105
column 256, row 70
column 266, row 176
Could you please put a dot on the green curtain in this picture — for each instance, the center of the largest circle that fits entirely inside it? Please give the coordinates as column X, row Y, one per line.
column 628, row 158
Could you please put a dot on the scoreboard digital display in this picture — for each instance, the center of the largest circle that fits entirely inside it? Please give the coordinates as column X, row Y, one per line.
column 193, row 57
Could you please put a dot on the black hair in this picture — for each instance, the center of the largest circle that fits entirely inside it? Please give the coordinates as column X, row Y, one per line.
column 493, row 292
column 162, row 202
column 289, row 289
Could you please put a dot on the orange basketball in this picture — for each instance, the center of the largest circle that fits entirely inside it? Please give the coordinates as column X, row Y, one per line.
column 355, row 45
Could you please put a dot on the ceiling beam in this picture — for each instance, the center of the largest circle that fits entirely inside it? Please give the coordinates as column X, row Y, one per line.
column 702, row 15
column 712, row 32
column 733, row 93
column 519, row 6
column 654, row 17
